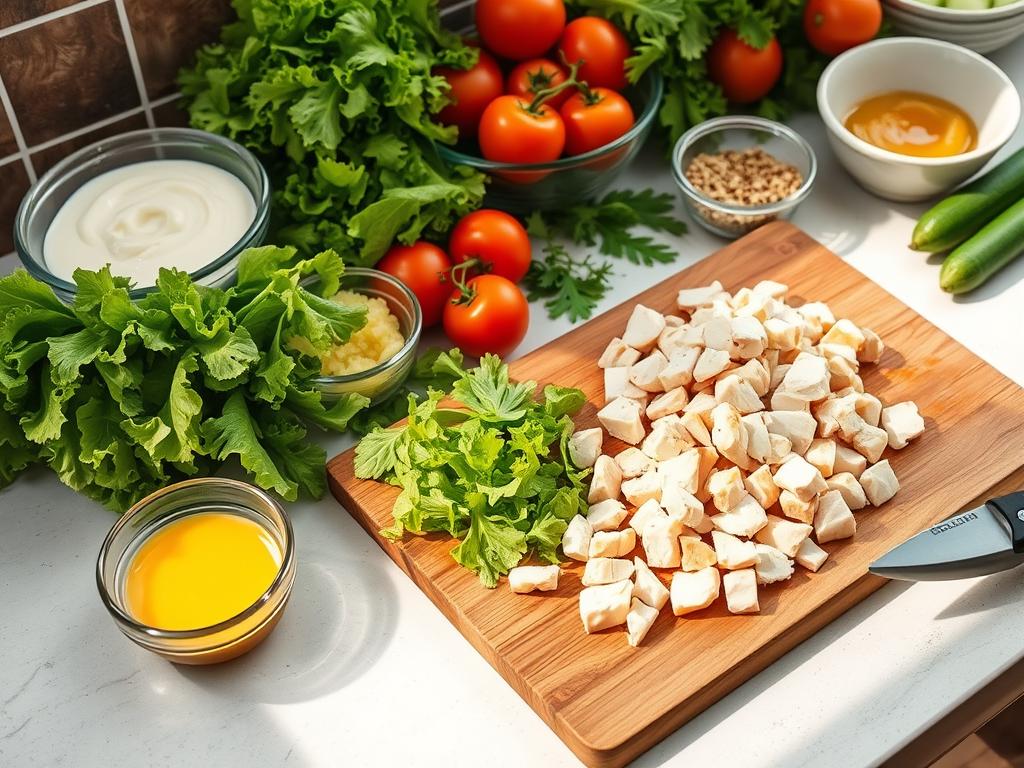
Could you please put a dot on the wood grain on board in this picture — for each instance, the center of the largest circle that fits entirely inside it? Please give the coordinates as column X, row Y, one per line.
column 609, row 702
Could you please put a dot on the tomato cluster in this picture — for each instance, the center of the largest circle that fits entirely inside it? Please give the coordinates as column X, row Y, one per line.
column 562, row 92
column 471, row 290
column 747, row 74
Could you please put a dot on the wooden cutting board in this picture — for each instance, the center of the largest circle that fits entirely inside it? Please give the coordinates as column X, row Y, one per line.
column 609, row 702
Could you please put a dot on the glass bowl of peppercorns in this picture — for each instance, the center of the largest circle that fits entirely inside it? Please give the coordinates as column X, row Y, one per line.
column 739, row 172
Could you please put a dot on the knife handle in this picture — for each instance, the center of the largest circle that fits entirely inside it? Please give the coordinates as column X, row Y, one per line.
column 1011, row 507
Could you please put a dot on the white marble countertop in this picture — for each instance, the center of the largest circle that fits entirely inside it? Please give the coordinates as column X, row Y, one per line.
column 363, row 670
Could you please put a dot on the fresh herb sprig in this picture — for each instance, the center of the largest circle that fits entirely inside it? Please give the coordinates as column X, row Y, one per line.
column 568, row 286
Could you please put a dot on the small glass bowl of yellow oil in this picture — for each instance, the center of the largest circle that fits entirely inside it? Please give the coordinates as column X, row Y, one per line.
column 198, row 572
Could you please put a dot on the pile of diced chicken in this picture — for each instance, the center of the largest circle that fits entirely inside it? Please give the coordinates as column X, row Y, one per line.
column 750, row 432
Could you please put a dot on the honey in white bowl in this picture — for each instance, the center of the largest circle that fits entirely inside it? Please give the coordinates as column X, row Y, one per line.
column 915, row 124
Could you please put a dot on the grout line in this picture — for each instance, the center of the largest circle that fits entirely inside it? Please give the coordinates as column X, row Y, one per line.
column 133, row 57
column 19, row 138
column 60, row 13
column 165, row 99
column 16, row 157
column 82, row 131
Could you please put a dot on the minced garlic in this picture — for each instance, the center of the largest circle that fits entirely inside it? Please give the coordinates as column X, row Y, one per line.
column 375, row 343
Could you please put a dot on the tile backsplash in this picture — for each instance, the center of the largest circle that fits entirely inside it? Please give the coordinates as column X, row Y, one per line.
column 73, row 72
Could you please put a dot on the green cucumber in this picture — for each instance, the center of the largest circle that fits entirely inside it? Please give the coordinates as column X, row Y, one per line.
column 951, row 221
column 994, row 246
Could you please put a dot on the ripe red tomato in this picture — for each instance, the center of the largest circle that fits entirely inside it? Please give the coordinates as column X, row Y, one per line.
column 424, row 268
column 537, row 75
column 495, row 238
column 492, row 317
column 595, row 121
column 603, row 49
column 511, row 133
column 744, row 73
column 833, row 26
column 471, row 91
column 520, row 29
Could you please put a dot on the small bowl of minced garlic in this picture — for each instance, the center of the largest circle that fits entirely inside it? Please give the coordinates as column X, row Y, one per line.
column 738, row 173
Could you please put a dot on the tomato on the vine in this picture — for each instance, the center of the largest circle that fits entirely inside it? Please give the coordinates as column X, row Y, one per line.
column 424, row 268
column 535, row 75
column 496, row 239
column 744, row 73
column 833, row 26
column 489, row 315
column 520, row 29
column 601, row 47
column 471, row 91
column 513, row 131
column 593, row 118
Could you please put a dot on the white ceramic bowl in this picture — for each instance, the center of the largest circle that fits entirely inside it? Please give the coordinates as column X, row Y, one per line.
column 942, row 69
column 981, row 31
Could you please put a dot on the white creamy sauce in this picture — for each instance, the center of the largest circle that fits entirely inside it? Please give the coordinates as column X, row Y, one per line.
column 139, row 218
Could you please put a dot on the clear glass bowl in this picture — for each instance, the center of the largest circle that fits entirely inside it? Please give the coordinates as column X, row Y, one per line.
column 741, row 132
column 229, row 638
column 52, row 190
column 521, row 188
column 382, row 380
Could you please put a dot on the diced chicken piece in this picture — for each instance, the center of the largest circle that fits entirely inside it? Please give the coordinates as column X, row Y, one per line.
column 612, row 543
column 729, row 436
column 621, row 417
column 869, row 408
column 759, row 444
column 646, row 512
column 576, row 539
column 761, row 486
column 697, row 429
column 682, row 471
column 673, row 420
column 618, row 354
column 708, row 458
column 704, row 526
column 670, row 402
column 694, row 591
column 808, row 378
column 741, row 591
column 733, row 553
column 617, row 384
column 795, row 426
column 648, row 587
column 781, row 448
column 879, row 483
column 749, row 338
column 528, row 578
column 782, row 400
column 772, row 288
column 872, row 348
column 772, row 566
column 633, row 462
column 842, row 373
column 710, row 363
column 834, row 412
column 671, row 339
column 745, row 519
column 718, row 309
column 694, row 554
column 606, row 570
column 674, row 321
column 691, row 335
column 644, row 374
column 819, row 315
column 850, row 489
column 833, row 520
column 844, row 332
column 848, row 460
column 782, row 334
column 606, row 515
column 778, row 374
column 701, row 404
column 637, row 490
column 643, row 328
column 755, row 373
column 718, row 334
column 661, row 542
column 822, row 456
column 784, row 535
column 796, row 508
column 682, row 505
column 689, row 299
column 726, row 488
column 870, row 442
column 738, row 393
column 678, row 372
column 746, row 303
column 810, row 556
column 585, row 447
column 639, row 621
column 801, row 478
column 665, row 442
column 902, row 423
column 605, row 606
column 606, row 482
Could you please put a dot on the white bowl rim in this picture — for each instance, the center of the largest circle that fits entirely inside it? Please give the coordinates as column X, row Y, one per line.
column 957, row 14
column 836, row 126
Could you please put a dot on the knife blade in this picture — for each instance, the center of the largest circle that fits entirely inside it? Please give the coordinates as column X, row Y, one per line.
column 980, row 541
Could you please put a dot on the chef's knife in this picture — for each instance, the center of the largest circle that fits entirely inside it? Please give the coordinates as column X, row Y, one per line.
column 980, row 541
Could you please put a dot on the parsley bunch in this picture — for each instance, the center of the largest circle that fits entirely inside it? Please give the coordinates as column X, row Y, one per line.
column 494, row 474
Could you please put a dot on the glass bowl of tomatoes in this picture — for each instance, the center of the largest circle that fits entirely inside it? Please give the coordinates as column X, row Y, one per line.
column 545, row 152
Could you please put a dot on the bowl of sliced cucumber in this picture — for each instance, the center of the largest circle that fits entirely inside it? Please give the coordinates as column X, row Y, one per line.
column 981, row 25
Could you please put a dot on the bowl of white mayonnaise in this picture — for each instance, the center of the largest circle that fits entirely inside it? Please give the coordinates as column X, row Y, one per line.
column 143, row 201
